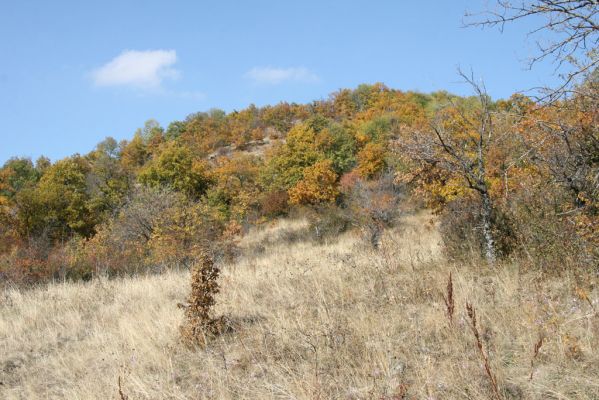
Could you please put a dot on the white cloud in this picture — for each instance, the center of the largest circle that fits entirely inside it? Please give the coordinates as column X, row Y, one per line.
column 274, row 76
column 141, row 69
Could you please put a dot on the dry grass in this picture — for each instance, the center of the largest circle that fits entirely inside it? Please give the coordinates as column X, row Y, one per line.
column 335, row 321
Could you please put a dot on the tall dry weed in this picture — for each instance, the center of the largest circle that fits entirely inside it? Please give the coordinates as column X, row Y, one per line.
column 449, row 299
column 535, row 354
column 479, row 344
column 122, row 395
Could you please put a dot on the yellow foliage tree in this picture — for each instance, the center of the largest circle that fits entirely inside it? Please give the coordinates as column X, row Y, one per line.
column 318, row 185
column 371, row 160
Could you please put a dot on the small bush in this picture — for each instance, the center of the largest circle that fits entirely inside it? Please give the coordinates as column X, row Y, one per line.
column 328, row 222
column 199, row 325
column 275, row 204
column 460, row 226
column 545, row 235
column 372, row 205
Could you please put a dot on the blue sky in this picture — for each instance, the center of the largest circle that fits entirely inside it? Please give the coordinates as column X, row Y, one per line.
column 74, row 72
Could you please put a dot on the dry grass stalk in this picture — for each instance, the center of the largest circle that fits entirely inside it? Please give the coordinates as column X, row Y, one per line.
column 449, row 300
column 535, row 353
column 583, row 295
column 401, row 393
column 199, row 324
column 122, row 395
column 492, row 379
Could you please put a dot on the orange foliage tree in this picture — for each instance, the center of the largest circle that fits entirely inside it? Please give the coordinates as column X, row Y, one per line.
column 317, row 186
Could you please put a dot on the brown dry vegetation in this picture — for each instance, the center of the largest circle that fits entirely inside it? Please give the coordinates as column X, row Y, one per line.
column 333, row 321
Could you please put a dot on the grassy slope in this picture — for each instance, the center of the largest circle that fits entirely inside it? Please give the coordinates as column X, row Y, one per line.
column 334, row 321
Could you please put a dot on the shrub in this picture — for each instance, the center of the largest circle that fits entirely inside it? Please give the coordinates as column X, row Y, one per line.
column 371, row 205
column 546, row 234
column 460, row 226
column 274, row 204
column 199, row 325
column 328, row 222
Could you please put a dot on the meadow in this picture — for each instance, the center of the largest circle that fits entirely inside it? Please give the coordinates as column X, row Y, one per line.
column 333, row 320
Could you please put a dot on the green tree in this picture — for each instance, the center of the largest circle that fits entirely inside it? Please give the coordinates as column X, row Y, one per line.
column 108, row 181
column 342, row 149
column 174, row 130
column 152, row 134
column 60, row 204
column 16, row 174
column 176, row 168
column 314, row 140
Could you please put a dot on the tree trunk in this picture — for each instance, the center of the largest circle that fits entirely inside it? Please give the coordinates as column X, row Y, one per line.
column 487, row 211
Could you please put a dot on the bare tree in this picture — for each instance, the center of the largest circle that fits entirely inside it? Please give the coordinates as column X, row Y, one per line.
column 141, row 212
column 374, row 206
column 461, row 149
column 574, row 27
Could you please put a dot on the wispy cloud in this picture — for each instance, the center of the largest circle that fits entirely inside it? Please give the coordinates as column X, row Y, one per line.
column 140, row 69
column 275, row 76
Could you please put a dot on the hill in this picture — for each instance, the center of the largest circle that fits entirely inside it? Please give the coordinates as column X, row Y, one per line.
column 509, row 178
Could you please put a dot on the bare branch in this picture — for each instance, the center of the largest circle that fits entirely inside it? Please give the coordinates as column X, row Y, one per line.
column 574, row 24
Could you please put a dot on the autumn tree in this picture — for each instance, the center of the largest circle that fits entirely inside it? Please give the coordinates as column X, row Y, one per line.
column 565, row 142
column 42, row 164
column 126, row 242
column 243, row 125
column 182, row 233
column 458, row 144
column 283, row 116
column 560, row 144
column 559, row 136
column 205, row 132
column 134, row 153
column 318, row 185
column 371, row 160
column 236, row 190
column 285, row 167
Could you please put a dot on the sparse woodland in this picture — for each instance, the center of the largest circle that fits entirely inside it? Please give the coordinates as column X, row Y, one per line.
column 508, row 178
column 376, row 244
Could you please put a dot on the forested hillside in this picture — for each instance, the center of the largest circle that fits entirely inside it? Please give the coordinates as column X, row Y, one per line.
column 375, row 243
column 509, row 178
